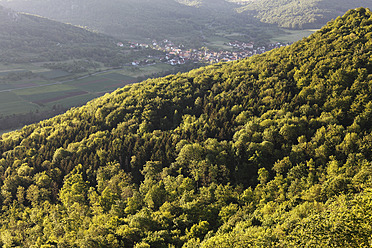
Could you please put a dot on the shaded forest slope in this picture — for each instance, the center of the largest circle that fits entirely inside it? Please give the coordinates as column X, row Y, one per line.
column 28, row 39
column 271, row 151
column 137, row 20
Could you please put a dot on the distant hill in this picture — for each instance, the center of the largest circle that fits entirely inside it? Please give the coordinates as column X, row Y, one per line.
column 299, row 14
column 37, row 54
column 28, row 38
column 269, row 151
column 188, row 21
column 181, row 20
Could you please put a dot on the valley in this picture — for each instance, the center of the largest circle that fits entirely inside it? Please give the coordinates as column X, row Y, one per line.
column 273, row 150
column 43, row 63
column 43, row 74
column 39, row 91
column 28, row 100
column 185, row 123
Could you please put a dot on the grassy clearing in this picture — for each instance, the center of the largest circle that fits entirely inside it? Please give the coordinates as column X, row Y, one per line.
column 10, row 104
column 6, row 87
column 53, row 74
column 118, row 76
column 39, row 94
column 22, row 84
column 93, row 84
column 293, row 35
column 20, row 107
column 48, row 97
column 6, row 72
column 8, row 97
column 145, row 71
column 40, row 82
column 34, row 67
column 218, row 43
column 106, row 82
column 73, row 101
column 47, row 89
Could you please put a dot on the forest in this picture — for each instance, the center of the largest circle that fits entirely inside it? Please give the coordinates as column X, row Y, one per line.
column 269, row 151
column 36, row 51
column 299, row 14
column 189, row 22
column 26, row 38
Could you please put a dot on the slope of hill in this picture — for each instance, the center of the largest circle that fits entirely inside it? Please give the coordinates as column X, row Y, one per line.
column 27, row 38
column 190, row 21
column 271, row 151
column 136, row 20
column 300, row 14
column 38, row 55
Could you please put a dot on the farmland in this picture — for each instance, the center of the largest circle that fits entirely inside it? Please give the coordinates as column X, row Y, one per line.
column 55, row 89
column 292, row 35
column 37, row 94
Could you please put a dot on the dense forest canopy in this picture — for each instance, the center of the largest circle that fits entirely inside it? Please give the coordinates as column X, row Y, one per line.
column 270, row 151
column 36, row 51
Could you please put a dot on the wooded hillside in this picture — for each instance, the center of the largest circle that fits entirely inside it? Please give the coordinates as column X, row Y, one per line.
column 270, row 151
column 27, row 38
column 299, row 14
column 182, row 21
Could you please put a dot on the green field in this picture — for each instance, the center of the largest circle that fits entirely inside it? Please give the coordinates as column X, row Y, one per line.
column 146, row 70
column 218, row 43
column 11, row 103
column 73, row 101
column 293, row 35
column 56, row 88
column 47, row 88
column 54, row 74
column 102, row 82
column 20, row 98
column 7, row 72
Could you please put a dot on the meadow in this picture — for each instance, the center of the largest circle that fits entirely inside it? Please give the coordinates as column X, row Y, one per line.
column 290, row 36
column 52, row 88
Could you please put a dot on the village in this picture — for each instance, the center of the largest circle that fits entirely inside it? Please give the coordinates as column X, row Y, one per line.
column 178, row 55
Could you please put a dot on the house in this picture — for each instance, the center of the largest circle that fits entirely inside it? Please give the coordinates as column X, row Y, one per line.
column 249, row 46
